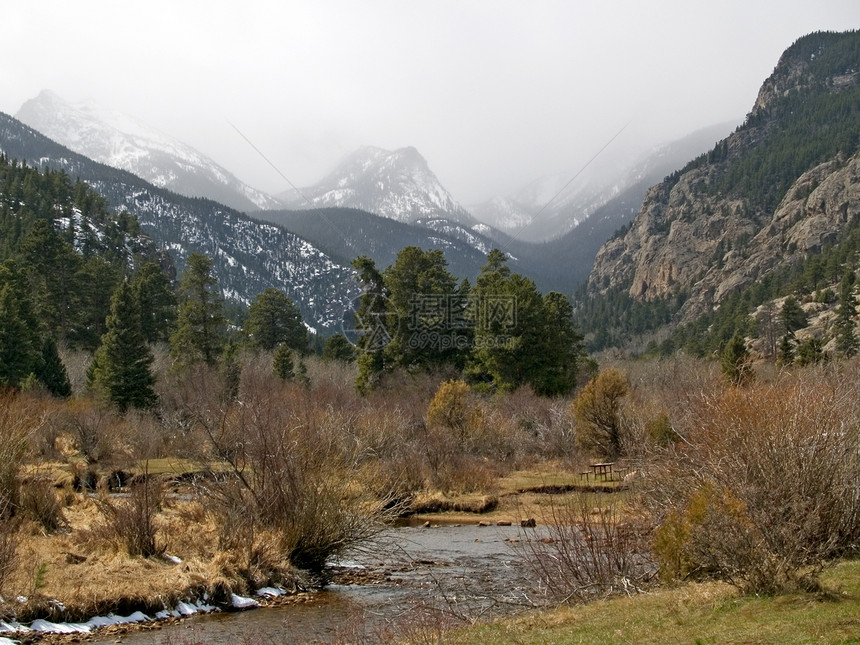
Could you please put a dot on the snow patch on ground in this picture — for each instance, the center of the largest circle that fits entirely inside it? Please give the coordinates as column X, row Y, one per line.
column 48, row 627
column 240, row 602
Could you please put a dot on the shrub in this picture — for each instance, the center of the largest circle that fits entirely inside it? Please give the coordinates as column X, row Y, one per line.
column 131, row 522
column 764, row 494
column 40, row 503
column 659, row 430
column 449, row 407
column 94, row 428
column 597, row 412
column 591, row 550
column 19, row 420
column 293, row 472
column 9, row 539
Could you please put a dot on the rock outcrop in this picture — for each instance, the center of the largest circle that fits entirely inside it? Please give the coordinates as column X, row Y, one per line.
column 700, row 236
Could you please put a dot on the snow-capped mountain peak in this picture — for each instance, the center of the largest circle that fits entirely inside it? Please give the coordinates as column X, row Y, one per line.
column 393, row 183
column 124, row 142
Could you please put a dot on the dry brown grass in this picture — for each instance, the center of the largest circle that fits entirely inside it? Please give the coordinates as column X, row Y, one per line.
column 95, row 575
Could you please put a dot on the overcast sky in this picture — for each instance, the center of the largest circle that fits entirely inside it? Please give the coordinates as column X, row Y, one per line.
column 492, row 93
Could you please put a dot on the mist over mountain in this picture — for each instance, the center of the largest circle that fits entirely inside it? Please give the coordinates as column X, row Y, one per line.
column 397, row 184
column 123, row 142
column 552, row 206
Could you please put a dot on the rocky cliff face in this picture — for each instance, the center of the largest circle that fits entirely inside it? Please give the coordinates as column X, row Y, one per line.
column 699, row 234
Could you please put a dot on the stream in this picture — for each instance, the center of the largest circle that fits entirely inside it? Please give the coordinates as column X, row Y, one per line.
column 413, row 576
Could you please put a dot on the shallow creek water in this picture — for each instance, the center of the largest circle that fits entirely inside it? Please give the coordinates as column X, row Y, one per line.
column 450, row 573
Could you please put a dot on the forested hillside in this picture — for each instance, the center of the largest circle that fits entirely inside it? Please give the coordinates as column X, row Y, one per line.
column 738, row 226
column 63, row 252
column 248, row 256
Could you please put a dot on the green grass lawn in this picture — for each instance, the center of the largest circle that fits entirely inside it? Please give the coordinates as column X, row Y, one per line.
column 708, row 613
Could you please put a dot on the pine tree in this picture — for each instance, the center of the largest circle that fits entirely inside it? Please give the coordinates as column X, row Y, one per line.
column 561, row 348
column 810, row 351
column 200, row 330
column 421, row 292
column 787, row 346
column 338, row 348
column 792, row 315
column 122, row 364
column 282, row 363
column 736, row 362
column 157, row 302
column 520, row 336
column 846, row 337
column 18, row 353
column 19, row 326
column 51, row 372
column 372, row 322
column 274, row 319
column 55, row 266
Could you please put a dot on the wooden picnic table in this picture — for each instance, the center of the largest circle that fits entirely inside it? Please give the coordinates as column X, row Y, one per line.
column 602, row 470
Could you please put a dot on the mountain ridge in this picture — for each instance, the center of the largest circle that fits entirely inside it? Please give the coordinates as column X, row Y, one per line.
column 248, row 255
column 121, row 141
column 397, row 184
column 780, row 188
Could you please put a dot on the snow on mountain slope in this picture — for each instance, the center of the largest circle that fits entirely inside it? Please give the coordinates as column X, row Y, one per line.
column 248, row 256
column 503, row 213
column 123, row 142
column 396, row 184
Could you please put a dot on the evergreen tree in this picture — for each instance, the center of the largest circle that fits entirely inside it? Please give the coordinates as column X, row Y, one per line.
column 274, row 319
column 810, row 351
column 20, row 342
column 157, row 302
column 736, row 362
column 51, row 372
column 846, row 336
column 122, row 364
column 372, row 323
column 786, row 349
column 766, row 328
column 231, row 371
column 55, row 266
column 302, row 373
column 96, row 281
column 521, row 337
column 282, row 364
column 792, row 315
column 561, row 348
column 18, row 352
column 422, row 295
column 200, row 331
column 338, row 348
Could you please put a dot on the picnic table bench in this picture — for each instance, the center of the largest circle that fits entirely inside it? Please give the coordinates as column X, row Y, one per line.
column 602, row 470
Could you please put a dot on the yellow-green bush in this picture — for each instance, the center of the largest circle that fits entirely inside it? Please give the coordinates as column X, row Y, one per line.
column 597, row 412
